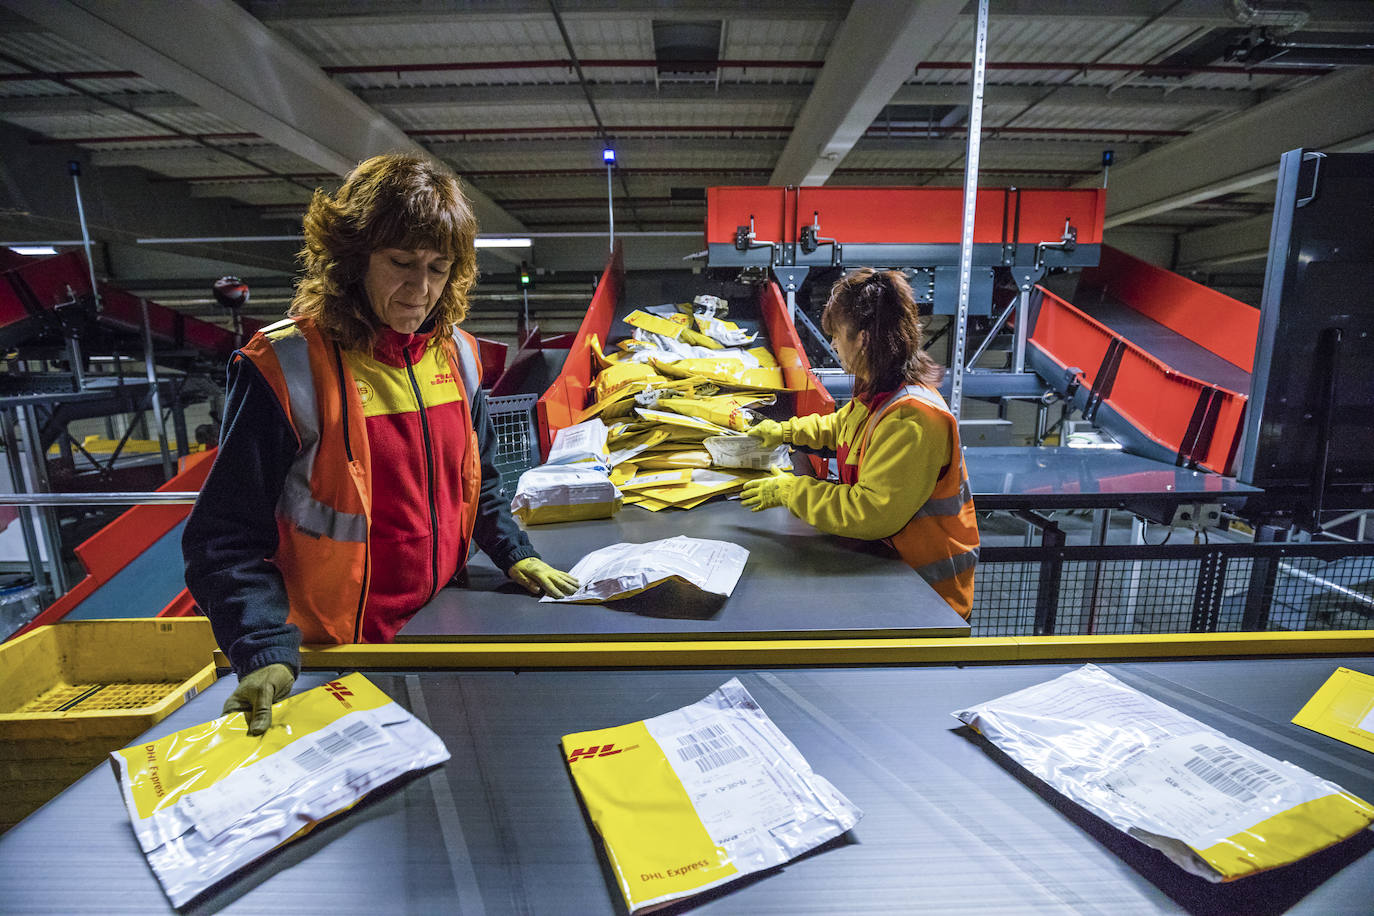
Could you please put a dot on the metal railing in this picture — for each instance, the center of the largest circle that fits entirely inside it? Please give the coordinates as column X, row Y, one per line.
column 1217, row 588
column 517, row 437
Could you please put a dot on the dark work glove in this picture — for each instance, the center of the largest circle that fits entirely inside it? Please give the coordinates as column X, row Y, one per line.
column 257, row 691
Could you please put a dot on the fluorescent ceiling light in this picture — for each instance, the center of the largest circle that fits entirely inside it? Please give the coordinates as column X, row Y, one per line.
column 502, row 243
column 33, row 250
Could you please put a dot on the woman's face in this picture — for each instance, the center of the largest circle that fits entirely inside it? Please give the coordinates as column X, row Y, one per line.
column 402, row 285
column 847, row 346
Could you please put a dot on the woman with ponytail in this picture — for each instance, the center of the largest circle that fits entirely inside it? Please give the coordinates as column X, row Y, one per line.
column 902, row 477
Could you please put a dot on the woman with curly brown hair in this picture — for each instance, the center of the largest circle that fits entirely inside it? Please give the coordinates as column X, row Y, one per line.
column 357, row 458
column 902, row 477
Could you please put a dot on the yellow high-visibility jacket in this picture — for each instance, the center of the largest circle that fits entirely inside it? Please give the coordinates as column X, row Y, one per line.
column 902, row 480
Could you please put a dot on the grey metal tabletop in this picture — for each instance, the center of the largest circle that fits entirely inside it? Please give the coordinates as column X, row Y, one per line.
column 797, row 582
column 1061, row 477
column 950, row 825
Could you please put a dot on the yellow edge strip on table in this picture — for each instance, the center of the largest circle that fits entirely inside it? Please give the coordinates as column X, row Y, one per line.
column 869, row 650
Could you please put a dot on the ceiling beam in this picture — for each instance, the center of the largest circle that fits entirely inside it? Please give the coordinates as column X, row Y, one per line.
column 1127, row 98
column 227, row 62
column 1325, row 14
column 1328, row 13
column 473, row 97
column 1230, row 243
column 1331, row 113
column 460, row 97
column 148, row 102
column 346, row 12
column 873, row 54
column 571, row 93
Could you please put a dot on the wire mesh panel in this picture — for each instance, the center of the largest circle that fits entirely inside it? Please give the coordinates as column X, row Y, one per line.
column 517, row 437
column 1183, row 589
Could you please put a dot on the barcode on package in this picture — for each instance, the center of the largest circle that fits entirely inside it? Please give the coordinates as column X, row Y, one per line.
column 1226, row 771
column 709, row 747
column 337, row 744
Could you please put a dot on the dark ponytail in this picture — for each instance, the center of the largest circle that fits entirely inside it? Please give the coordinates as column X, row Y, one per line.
column 881, row 304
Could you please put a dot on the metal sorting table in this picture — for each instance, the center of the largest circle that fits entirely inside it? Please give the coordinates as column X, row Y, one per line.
column 797, row 582
column 948, row 821
column 1060, row 477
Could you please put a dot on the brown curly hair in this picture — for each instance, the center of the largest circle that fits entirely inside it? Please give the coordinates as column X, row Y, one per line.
column 880, row 302
column 396, row 200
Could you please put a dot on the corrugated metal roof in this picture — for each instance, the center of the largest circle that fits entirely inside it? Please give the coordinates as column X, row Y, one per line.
column 539, row 149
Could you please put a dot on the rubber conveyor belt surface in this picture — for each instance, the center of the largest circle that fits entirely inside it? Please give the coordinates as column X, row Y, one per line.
column 950, row 825
column 1167, row 346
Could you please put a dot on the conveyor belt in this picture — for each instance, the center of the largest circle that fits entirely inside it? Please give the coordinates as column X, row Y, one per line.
column 1085, row 478
column 797, row 582
column 1168, row 346
column 142, row 588
column 949, row 826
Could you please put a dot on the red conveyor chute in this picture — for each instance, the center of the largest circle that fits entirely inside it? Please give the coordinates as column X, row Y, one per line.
column 113, row 547
column 903, row 215
column 562, row 404
column 1133, row 331
column 31, row 291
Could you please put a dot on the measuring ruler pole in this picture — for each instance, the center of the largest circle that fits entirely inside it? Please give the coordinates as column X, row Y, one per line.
column 975, row 127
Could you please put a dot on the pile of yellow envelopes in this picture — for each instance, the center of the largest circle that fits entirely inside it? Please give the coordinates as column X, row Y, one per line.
column 680, row 379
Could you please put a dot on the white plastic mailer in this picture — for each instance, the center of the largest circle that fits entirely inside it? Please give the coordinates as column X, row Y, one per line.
column 564, row 493
column 210, row 799
column 626, row 569
column 701, row 796
column 1215, row 806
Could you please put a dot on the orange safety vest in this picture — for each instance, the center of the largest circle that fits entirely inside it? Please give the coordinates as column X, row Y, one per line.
column 941, row 540
column 325, row 509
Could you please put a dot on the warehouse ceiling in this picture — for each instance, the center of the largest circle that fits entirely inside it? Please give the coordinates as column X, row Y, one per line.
column 201, row 128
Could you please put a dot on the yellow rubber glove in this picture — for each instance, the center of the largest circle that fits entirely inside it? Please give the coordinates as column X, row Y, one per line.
column 539, row 578
column 257, row 691
column 769, row 432
column 767, row 492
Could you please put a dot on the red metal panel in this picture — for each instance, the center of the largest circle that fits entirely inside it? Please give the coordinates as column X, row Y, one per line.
column 560, row 406
column 1071, row 337
column 897, row 215
column 1155, row 399
column 11, row 308
column 729, row 208
column 493, row 354
column 811, row 396
column 1225, row 326
column 116, row 545
column 57, row 279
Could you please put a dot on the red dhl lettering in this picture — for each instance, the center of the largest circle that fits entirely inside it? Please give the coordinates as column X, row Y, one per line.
column 597, row 750
column 443, row 378
column 338, row 691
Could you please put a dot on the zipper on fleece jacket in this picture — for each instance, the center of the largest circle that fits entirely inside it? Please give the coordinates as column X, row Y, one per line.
column 348, row 453
column 429, row 477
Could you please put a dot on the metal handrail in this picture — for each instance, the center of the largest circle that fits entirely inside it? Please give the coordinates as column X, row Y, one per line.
column 98, row 499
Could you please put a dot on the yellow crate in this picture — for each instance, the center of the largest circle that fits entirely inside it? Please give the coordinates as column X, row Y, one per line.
column 73, row 692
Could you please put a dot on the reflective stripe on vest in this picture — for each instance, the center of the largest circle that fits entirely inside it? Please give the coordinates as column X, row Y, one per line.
column 950, row 505
column 940, row 519
column 469, row 363
column 949, row 567
column 297, row 504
